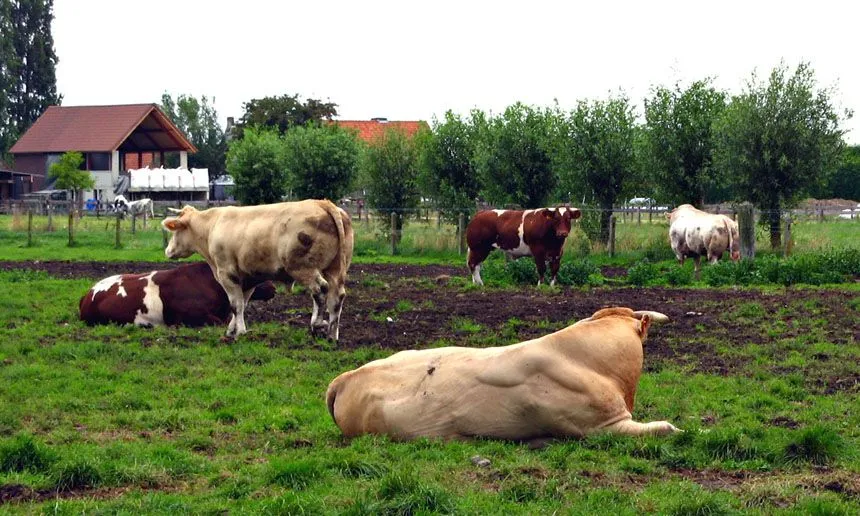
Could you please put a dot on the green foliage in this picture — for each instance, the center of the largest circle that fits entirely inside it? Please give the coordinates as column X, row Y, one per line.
column 256, row 163
column 844, row 183
column 599, row 149
column 28, row 82
column 76, row 474
column 643, row 273
column 577, row 272
column 404, row 493
column 515, row 157
column 779, row 139
column 679, row 276
column 283, row 113
column 390, row 166
column 819, row 445
column 198, row 120
column 24, row 454
column 68, row 174
column 834, row 266
column 678, row 140
column 321, row 161
column 447, row 173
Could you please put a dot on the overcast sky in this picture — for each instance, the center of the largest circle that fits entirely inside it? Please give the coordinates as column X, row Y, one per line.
column 407, row 60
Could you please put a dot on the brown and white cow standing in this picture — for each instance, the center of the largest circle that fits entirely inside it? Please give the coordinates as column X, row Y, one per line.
column 309, row 242
column 540, row 233
column 694, row 233
column 571, row 383
column 188, row 295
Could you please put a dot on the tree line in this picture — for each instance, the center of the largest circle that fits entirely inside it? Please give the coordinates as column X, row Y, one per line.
column 778, row 140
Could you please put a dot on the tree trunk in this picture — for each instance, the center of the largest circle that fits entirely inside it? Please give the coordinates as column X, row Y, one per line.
column 774, row 220
column 605, row 214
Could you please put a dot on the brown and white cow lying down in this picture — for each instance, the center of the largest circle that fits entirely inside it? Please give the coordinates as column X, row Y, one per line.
column 571, row 383
column 185, row 296
column 694, row 233
column 540, row 233
column 309, row 242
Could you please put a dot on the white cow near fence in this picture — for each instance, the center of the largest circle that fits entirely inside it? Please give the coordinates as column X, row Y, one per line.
column 694, row 233
column 138, row 207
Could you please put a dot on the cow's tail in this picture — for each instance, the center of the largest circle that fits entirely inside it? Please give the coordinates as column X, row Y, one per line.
column 334, row 213
column 729, row 231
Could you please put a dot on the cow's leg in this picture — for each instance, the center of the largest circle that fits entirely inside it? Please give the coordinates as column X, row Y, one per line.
column 334, row 305
column 554, row 265
column 630, row 427
column 236, row 296
column 317, row 285
column 474, row 258
column 697, row 260
column 540, row 262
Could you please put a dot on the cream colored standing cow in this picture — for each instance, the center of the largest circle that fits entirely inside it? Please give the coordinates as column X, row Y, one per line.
column 573, row 382
column 694, row 233
column 309, row 242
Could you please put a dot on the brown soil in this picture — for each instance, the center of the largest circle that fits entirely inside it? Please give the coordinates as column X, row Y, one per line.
column 408, row 306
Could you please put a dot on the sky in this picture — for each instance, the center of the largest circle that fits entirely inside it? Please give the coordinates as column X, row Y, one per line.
column 412, row 60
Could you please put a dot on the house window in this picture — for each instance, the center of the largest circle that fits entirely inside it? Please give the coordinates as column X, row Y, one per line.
column 98, row 161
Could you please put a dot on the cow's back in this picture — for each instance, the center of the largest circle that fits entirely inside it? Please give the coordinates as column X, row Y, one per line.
column 500, row 228
column 114, row 299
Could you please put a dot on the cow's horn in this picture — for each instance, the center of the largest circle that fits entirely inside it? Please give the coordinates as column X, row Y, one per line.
column 174, row 210
column 656, row 317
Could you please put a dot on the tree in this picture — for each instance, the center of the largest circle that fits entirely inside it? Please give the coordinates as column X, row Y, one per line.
column 282, row 113
column 69, row 176
column 845, row 181
column 390, row 166
column 198, row 120
column 447, row 173
column 678, row 140
column 27, row 66
column 515, row 157
column 600, row 141
column 321, row 161
column 779, row 140
column 256, row 163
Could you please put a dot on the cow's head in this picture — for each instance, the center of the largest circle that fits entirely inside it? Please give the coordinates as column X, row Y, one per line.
column 182, row 240
column 560, row 219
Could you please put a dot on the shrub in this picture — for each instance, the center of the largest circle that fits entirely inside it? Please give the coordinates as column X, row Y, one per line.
column 577, row 272
column 679, row 276
column 643, row 273
column 578, row 244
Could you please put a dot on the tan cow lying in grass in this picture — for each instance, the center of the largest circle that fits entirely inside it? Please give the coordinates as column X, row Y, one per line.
column 571, row 383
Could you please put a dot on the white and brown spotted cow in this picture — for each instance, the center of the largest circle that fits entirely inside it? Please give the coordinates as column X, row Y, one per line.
column 694, row 233
column 188, row 295
column 571, row 383
column 539, row 233
column 309, row 242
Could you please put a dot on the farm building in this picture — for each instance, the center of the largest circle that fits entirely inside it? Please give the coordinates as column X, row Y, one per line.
column 14, row 184
column 371, row 130
column 113, row 139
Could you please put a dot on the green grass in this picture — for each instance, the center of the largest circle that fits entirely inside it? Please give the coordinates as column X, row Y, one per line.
column 174, row 420
column 422, row 242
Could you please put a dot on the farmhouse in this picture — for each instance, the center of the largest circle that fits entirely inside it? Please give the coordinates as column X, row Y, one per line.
column 112, row 139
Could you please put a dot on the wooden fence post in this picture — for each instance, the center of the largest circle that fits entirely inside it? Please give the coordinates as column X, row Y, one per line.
column 650, row 213
column 71, row 224
column 393, row 232
column 30, row 228
column 787, row 245
column 118, row 243
column 164, row 238
column 461, row 233
column 133, row 223
column 144, row 220
column 746, row 228
column 612, row 235
column 638, row 216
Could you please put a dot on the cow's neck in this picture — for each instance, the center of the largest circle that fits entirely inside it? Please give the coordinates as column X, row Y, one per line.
column 201, row 227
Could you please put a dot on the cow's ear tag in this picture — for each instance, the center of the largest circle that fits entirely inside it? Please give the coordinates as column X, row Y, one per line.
column 172, row 224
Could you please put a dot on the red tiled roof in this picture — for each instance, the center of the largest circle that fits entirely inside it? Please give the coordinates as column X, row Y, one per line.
column 371, row 130
column 91, row 128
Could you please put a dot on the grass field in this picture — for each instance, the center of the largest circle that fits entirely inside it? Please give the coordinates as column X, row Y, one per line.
column 117, row 419
column 422, row 242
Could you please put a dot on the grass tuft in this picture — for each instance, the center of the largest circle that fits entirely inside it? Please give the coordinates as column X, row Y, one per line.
column 25, row 454
column 819, row 445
